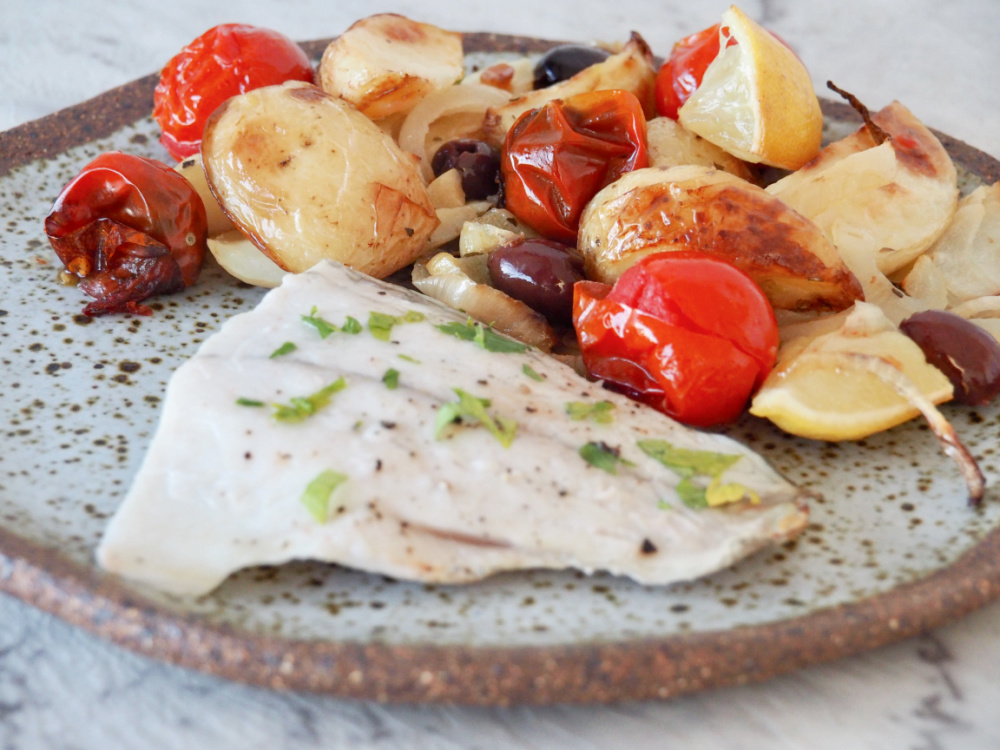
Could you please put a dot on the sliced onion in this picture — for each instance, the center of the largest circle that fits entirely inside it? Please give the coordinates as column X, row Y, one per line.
column 466, row 99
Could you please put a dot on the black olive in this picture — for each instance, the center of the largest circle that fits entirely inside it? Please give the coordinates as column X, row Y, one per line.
column 964, row 352
column 564, row 62
column 540, row 273
column 476, row 161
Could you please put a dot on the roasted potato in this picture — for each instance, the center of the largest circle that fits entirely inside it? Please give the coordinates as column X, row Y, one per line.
column 305, row 176
column 693, row 207
column 385, row 64
column 630, row 70
column 239, row 257
column 670, row 145
column 194, row 173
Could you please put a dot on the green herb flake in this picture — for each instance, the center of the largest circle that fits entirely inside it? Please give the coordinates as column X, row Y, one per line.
column 381, row 324
column 352, row 326
column 391, row 379
column 408, row 358
column 318, row 492
column 241, row 401
column 484, row 336
column 325, row 328
column 601, row 412
column 300, row 408
column 690, row 465
column 287, row 348
column 530, row 372
column 602, row 456
column 473, row 409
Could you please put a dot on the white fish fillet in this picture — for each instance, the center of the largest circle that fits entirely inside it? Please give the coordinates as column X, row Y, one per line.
column 221, row 486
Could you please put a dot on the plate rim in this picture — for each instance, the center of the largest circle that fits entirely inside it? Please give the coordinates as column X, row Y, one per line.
column 594, row 672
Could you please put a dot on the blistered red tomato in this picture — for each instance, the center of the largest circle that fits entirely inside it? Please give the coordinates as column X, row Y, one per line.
column 130, row 228
column 556, row 158
column 682, row 73
column 225, row 61
column 685, row 332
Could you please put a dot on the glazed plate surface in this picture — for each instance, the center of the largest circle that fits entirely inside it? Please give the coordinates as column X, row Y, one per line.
column 891, row 550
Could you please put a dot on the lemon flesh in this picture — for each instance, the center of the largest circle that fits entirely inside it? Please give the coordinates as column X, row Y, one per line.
column 807, row 397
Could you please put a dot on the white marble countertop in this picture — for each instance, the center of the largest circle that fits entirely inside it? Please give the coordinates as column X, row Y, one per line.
column 61, row 687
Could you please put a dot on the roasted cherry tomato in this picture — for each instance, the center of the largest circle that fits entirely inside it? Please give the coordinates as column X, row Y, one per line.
column 682, row 73
column 224, row 61
column 130, row 228
column 685, row 332
column 557, row 157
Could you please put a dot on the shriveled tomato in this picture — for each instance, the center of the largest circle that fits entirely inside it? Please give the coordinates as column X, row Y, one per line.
column 130, row 228
column 685, row 332
column 226, row 60
column 556, row 158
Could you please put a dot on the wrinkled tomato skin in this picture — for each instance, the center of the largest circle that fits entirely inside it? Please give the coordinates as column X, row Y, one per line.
column 681, row 74
column 684, row 332
column 556, row 158
column 226, row 60
column 130, row 228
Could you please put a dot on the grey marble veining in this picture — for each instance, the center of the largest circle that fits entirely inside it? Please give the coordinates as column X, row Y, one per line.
column 62, row 688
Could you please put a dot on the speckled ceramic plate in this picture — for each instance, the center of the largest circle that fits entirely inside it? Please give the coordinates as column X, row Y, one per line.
column 892, row 548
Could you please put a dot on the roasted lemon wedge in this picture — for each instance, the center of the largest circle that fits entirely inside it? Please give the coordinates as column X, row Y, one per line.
column 756, row 99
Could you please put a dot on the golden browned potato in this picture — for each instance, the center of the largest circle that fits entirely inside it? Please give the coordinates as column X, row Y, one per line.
column 629, row 70
column 194, row 173
column 694, row 207
column 386, row 63
column 305, row 176
column 239, row 257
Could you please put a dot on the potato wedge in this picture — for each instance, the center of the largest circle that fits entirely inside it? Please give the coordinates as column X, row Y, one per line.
column 305, row 176
column 630, row 70
column 670, row 145
column 386, row 63
column 194, row 173
column 693, row 207
column 889, row 202
column 239, row 257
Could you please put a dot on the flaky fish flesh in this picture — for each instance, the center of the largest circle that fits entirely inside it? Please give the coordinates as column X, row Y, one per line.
column 348, row 420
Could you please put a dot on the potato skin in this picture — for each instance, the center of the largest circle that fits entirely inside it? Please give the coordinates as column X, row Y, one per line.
column 699, row 208
column 305, row 176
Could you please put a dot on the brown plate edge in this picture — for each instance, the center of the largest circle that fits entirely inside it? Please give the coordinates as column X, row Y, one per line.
column 598, row 672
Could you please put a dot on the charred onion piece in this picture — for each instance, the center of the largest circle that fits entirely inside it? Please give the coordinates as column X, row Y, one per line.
column 878, row 135
column 946, row 435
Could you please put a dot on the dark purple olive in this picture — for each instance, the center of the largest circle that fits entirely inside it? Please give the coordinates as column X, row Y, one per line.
column 476, row 161
column 963, row 351
column 540, row 273
column 564, row 62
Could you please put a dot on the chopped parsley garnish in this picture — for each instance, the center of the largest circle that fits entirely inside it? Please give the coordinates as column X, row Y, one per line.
column 381, row 324
column 287, row 348
column 599, row 412
column 690, row 465
column 391, row 378
column 482, row 335
column 473, row 409
column 316, row 497
column 602, row 456
column 241, row 401
column 530, row 372
column 324, row 327
column 303, row 407
column 408, row 358
column 352, row 326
